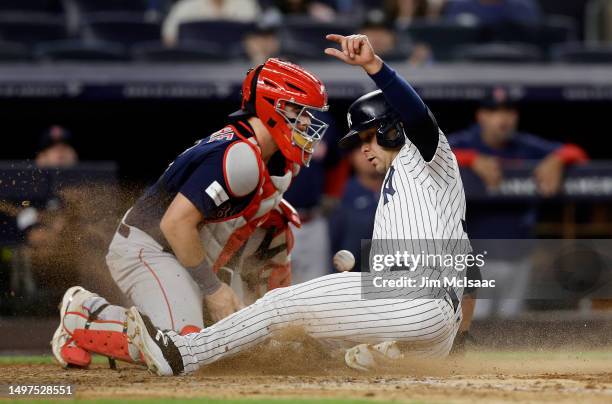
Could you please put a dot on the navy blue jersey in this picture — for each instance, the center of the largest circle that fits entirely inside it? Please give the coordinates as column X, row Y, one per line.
column 511, row 220
column 494, row 12
column 197, row 174
column 521, row 146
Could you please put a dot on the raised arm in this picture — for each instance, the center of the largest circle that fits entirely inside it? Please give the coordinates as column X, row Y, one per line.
column 421, row 127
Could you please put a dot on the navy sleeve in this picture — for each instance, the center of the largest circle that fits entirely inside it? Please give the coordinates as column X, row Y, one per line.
column 535, row 147
column 465, row 139
column 421, row 127
column 206, row 187
column 452, row 9
column 526, row 11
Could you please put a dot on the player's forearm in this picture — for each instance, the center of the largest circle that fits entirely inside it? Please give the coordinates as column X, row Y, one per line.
column 187, row 246
column 185, row 242
column 400, row 95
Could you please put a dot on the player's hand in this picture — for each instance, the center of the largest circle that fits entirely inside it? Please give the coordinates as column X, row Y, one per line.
column 548, row 175
column 489, row 170
column 356, row 50
column 222, row 303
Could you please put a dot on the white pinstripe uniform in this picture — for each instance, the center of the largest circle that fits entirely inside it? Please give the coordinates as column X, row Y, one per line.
column 424, row 200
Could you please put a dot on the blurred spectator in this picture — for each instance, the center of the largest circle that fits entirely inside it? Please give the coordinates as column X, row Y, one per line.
column 492, row 12
column 607, row 18
column 380, row 33
column 353, row 219
column 404, row 12
column 495, row 140
column 318, row 10
column 56, row 149
column 385, row 42
column 486, row 148
column 195, row 10
column 262, row 44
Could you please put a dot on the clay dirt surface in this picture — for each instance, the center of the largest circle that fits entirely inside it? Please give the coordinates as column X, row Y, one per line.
column 304, row 369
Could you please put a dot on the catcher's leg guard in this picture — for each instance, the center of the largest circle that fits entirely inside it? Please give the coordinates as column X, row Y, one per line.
column 82, row 332
column 113, row 344
column 63, row 347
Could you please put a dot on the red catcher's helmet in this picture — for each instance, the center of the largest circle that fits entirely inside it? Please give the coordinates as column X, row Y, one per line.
column 282, row 95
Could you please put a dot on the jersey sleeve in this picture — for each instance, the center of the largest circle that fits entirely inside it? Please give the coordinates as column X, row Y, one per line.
column 206, row 187
column 230, row 174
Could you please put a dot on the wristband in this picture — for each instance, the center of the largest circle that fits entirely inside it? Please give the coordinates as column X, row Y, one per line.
column 205, row 277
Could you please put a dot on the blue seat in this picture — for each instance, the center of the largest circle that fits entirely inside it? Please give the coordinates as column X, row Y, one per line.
column 554, row 31
column 574, row 9
column 78, row 50
column 188, row 52
column 442, row 37
column 498, row 53
column 30, row 28
column 14, row 52
column 583, row 53
column 125, row 28
column 94, row 6
column 47, row 6
column 303, row 38
column 227, row 36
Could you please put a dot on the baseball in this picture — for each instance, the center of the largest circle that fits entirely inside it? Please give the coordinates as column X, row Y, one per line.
column 344, row 261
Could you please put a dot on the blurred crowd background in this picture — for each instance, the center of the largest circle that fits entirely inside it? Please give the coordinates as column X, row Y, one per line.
column 414, row 31
column 70, row 166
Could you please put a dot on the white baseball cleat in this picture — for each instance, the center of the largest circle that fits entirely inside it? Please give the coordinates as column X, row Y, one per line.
column 159, row 352
column 64, row 350
column 362, row 356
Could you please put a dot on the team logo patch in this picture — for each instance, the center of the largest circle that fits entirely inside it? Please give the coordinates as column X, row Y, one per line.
column 388, row 190
column 226, row 133
column 217, row 193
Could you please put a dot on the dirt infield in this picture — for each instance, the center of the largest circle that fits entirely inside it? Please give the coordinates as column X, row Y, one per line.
column 303, row 370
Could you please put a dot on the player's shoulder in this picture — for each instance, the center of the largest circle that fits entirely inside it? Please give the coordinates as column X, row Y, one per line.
column 237, row 158
column 242, row 168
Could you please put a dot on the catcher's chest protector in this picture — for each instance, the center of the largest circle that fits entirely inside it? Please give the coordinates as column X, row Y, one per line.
column 224, row 239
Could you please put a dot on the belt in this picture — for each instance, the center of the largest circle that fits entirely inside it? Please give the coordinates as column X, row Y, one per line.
column 124, row 230
column 453, row 296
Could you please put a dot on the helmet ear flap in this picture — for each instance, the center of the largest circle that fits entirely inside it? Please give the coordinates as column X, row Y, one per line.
column 248, row 92
column 386, row 137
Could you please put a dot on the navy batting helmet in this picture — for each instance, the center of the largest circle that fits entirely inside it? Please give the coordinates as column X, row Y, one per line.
column 373, row 111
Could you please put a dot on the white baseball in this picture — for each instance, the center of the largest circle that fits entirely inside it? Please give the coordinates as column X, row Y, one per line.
column 344, row 261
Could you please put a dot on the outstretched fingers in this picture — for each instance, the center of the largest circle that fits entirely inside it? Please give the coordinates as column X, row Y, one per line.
column 342, row 40
column 335, row 38
column 337, row 53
